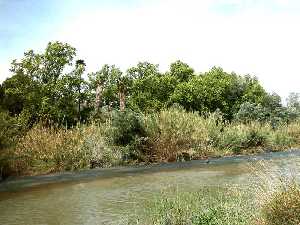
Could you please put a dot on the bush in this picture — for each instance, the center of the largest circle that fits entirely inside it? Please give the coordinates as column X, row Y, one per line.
column 283, row 207
column 97, row 145
column 9, row 130
column 237, row 137
column 127, row 126
column 280, row 138
column 250, row 112
column 128, row 133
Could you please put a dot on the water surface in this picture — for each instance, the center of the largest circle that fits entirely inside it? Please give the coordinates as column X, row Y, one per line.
column 109, row 196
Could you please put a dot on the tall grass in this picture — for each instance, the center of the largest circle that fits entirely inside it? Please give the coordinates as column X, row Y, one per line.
column 207, row 206
column 46, row 150
column 173, row 131
column 283, row 207
column 277, row 196
column 274, row 199
column 126, row 137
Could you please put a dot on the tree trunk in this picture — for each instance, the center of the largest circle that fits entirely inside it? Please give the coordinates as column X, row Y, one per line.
column 122, row 100
column 98, row 99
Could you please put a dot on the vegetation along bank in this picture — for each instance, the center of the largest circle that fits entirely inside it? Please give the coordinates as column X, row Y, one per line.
column 55, row 117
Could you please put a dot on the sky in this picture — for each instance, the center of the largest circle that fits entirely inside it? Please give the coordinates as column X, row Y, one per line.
column 256, row 37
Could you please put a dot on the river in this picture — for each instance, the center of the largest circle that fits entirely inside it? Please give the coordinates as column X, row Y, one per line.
column 109, row 196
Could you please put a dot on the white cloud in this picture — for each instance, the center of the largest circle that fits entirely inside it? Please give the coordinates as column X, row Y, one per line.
column 255, row 40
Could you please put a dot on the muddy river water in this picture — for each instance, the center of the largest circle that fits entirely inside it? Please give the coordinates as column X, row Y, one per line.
column 109, row 196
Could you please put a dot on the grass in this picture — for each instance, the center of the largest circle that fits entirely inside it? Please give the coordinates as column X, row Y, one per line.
column 46, row 150
column 127, row 137
column 208, row 206
column 283, row 207
column 278, row 196
column 274, row 199
column 174, row 131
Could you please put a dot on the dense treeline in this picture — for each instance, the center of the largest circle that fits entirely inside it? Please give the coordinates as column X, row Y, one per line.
column 52, row 89
column 40, row 89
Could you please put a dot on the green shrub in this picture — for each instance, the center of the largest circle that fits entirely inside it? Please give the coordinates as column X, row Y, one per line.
column 127, row 132
column 237, row 137
column 9, row 130
column 127, row 126
column 280, row 138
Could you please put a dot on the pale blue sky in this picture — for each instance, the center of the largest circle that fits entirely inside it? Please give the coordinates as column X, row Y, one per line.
column 26, row 24
column 259, row 37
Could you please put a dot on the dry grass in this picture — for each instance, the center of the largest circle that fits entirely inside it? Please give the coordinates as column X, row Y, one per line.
column 171, row 132
column 283, row 207
column 46, row 150
column 277, row 194
column 164, row 136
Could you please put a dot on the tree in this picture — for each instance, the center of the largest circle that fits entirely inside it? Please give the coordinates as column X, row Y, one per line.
column 293, row 100
column 254, row 92
column 79, row 70
column 124, row 83
column 181, row 70
column 104, row 83
column 143, row 70
column 38, row 83
column 249, row 112
column 143, row 90
column 211, row 91
column 98, row 81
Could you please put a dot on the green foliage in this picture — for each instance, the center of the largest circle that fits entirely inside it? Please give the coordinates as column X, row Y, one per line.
column 214, row 90
column 238, row 137
column 39, row 86
column 275, row 114
column 143, row 70
column 293, row 100
column 107, row 78
column 207, row 206
column 182, row 71
column 126, row 127
column 216, row 113
column 147, row 92
column 249, row 112
column 9, row 129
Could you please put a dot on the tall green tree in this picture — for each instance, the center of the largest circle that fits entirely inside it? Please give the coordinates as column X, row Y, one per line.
column 181, row 70
column 38, row 82
column 104, row 86
column 218, row 90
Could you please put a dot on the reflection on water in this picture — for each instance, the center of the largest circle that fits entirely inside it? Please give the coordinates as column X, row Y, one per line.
column 108, row 200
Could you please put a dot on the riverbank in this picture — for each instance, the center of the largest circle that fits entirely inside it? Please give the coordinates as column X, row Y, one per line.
column 225, row 205
column 128, row 138
column 121, row 195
